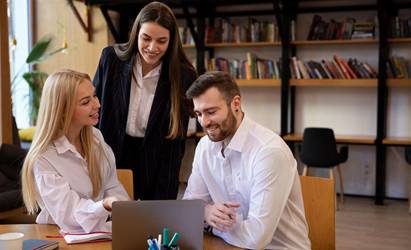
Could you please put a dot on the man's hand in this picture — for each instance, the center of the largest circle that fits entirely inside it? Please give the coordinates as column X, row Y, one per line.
column 221, row 216
column 108, row 202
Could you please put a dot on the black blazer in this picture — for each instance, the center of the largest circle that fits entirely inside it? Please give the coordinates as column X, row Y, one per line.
column 112, row 82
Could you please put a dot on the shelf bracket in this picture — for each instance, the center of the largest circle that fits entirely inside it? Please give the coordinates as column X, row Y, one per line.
column 86, row 27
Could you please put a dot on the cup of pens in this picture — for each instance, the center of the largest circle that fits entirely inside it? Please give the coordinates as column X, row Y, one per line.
column 162, row 242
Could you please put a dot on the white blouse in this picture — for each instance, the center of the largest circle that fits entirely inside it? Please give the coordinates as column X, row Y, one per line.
column 65, row 190
column 142, row 91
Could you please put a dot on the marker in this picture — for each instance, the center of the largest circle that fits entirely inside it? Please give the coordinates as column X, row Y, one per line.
column 155, row 244
column 173, row 241
column 165, row 236
column 159, row 241
column 150, row 244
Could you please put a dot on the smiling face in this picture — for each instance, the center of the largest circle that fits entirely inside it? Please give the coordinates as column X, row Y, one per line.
column 153, row 40
column 215, row 115
column 87, row 106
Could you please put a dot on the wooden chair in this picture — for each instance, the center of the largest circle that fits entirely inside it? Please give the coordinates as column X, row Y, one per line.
column 125, row 176
column 319, row 205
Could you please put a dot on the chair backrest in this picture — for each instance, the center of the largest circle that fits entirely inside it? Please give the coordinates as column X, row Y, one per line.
column 125, row 176
column 319, row 148
column 319, row 205
column 407, row 151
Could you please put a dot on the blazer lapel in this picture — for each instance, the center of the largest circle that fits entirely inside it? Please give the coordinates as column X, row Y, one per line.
column 160, row 102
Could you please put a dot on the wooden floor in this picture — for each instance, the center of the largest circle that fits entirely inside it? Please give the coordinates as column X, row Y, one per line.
column 362, row 225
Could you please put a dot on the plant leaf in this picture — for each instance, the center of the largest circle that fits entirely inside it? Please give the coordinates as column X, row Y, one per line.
column 35, row 80
column 38, row 51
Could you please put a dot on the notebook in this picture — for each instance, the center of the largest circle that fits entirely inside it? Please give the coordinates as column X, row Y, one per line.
column 40, row 244
column 134, row 221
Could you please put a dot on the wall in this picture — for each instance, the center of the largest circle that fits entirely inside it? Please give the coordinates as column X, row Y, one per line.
column 51, row 17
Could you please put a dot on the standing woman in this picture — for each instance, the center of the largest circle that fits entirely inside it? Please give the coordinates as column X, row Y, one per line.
column 69, row 172
column 144, row 115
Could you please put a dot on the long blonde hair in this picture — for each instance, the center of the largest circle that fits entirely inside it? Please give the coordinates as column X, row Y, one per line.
column 55, row 113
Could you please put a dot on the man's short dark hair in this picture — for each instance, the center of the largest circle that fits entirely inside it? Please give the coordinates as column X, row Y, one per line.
column 218, row 79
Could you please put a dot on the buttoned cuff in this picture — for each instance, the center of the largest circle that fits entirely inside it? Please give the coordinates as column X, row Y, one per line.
column 99, row 209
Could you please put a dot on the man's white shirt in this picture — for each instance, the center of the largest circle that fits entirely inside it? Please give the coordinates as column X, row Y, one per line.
column 259, row 172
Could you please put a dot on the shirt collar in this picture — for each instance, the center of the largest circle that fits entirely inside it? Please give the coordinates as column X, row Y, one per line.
column 153, row 73
column 63, row 145
column 238, row 140
column 240, row 136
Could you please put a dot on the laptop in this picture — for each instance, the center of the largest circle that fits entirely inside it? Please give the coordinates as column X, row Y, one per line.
column 134, row 221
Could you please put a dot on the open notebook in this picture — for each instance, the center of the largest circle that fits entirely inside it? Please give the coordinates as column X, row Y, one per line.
column 73, row 238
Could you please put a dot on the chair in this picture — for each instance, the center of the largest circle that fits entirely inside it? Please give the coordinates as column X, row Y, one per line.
column 11, row 161
column 319, row 150
column 125, row 176
column 319, row 204
column 408, row 159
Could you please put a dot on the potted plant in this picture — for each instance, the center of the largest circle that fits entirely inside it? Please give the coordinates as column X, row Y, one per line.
column 34, row 78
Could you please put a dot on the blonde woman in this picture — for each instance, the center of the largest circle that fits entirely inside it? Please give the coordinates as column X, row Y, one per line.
column 69, row 173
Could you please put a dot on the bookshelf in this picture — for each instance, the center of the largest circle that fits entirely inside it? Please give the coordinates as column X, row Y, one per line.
column 340, row 139
column 258, row 83
column 334, row 42
column 334, row 83
column 242, row 45
column 284, row 12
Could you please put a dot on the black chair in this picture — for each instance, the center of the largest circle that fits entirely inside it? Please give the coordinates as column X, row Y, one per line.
column 319, row 150
column 408, row 159
column 408, row 154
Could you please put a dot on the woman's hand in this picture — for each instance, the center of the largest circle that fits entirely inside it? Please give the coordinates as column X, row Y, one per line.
column 108, row 202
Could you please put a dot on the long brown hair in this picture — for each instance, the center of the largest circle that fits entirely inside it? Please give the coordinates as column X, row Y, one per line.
column 174, row 59
column 56, row 110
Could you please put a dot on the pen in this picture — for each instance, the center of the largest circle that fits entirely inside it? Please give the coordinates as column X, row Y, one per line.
column 173, row 241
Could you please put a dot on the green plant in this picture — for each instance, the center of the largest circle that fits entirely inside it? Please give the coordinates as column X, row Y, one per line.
column 34, row 78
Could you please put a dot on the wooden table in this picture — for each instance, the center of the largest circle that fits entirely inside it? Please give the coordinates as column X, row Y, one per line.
column 35, row 231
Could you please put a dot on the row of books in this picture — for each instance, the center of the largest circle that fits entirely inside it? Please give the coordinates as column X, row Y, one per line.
column 226, row 31
column 338, row 68
column 400, row 27
column 398, row 67
column 185, row 36
column 251, row 68
column 345, row 30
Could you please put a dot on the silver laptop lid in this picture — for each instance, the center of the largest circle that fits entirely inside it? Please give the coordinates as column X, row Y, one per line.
column 134, row 221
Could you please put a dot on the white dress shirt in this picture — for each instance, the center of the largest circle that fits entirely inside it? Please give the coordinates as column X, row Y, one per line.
column 259, row 172
column 65, row 190
column 142, row 94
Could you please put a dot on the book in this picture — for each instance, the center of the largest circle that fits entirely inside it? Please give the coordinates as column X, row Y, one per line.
column 74, row 238
column 40, row 244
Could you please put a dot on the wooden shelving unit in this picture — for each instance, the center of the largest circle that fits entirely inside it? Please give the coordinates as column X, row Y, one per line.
column 397, row 141
column 400, row 40
column 239, row 45
column 333, row 82
column 188, row 46
column 334, row 42
column 341, row 139
column 399, row 82
column 259, row 82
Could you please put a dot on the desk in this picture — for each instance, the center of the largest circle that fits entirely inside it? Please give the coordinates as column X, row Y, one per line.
column 35, row 231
